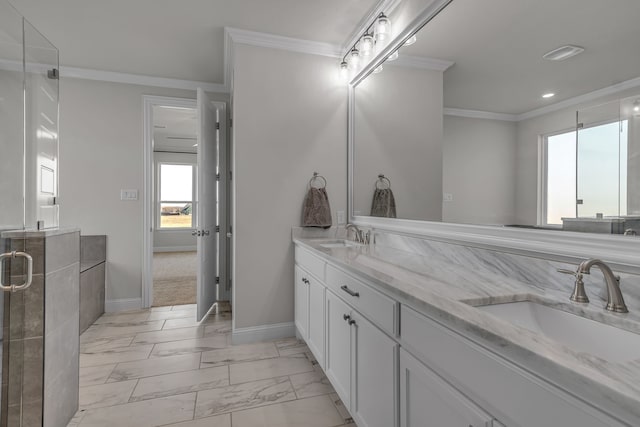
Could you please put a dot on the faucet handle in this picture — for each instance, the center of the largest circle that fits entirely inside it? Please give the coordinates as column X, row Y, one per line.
column 565, row 271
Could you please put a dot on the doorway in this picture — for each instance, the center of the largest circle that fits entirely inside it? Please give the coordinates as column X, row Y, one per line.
column 185, row 258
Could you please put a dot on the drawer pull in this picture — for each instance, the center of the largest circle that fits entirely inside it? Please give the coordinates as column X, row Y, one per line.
column 346, row 317
column 349, row 291
column 352, row 322
column 305, row 280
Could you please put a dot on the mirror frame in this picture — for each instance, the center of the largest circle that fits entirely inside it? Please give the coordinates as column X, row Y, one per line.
column 621, row 252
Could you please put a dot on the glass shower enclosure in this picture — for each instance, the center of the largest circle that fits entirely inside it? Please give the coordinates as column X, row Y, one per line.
column 28, row 191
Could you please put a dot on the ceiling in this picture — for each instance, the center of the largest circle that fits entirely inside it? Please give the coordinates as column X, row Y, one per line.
column 497, row 47
column 179, row 39
column 174, row 129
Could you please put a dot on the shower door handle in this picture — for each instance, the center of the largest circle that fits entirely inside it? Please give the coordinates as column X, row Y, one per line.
column 27, row 282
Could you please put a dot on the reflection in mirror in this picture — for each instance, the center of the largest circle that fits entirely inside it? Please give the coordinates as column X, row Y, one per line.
column 507, row 113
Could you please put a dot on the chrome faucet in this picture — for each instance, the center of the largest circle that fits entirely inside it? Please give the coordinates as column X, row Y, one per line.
column 615, row 301
column 360, row 237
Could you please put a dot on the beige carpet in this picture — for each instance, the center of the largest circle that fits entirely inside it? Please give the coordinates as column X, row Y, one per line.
column 174, row 278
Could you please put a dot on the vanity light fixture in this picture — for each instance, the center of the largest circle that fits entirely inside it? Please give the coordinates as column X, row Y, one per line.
column 344, row 71
column 376, row 34
column 562, row 53
column 354, row 59
column 367, row 44
column 383, row 28
column 548, row 95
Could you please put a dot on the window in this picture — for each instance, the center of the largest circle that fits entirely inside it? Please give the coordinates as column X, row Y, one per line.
column 588, row 178
column 176, row 202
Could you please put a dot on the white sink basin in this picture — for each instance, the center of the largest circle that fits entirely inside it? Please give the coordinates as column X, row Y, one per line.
column 575, row 332
column 338, row 243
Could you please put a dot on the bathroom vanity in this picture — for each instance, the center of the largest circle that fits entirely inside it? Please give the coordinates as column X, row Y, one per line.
column 416, row 332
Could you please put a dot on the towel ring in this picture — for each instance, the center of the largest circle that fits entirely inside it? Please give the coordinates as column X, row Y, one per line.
column 316, row 177
column 381, row 180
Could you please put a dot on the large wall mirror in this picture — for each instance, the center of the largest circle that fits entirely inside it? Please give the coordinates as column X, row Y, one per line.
column 506, row 113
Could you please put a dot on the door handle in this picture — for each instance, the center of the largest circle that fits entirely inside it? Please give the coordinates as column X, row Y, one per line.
column 205, row 232
column 27, row 282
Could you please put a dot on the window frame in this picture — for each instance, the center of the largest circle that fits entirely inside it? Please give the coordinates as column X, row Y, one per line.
column 193, row 201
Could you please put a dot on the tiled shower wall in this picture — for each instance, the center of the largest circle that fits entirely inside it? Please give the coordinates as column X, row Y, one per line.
column 43, row 320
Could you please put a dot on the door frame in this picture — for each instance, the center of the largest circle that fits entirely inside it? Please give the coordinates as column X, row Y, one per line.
column 150, row 101
column 225, row 257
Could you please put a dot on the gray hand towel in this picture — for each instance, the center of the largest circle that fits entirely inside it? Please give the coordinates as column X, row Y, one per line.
column 316, row 211
column 383, row 204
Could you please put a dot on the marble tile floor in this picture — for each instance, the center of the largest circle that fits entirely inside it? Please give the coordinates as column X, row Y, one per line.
column 159, row 367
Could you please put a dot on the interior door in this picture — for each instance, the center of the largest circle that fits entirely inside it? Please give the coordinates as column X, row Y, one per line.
column 208, row 139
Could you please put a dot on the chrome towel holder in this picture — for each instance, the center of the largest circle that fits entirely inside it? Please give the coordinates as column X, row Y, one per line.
column 316, row 178
column 382, row 180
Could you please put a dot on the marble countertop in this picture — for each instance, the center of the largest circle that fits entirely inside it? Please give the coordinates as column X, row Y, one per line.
column 449, row 294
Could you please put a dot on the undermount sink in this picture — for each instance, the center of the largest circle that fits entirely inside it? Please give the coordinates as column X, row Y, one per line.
column 573, row 331
column 338, row 243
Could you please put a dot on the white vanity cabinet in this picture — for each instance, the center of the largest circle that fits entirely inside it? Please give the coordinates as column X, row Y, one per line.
column 427, row 400
column 302, row 303
column 309, row 303
column 361, row 365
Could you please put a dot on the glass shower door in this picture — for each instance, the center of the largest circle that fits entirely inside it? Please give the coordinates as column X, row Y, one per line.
column 20, row 398
column 601, row 148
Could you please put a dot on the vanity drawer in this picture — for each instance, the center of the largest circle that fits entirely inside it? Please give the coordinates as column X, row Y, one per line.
column 379, row 308
column 310, row 262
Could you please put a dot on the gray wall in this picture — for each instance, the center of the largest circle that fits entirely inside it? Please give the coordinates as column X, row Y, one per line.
column 101, row 152
column 290, row 119
column 479, row 170
column 404, row 144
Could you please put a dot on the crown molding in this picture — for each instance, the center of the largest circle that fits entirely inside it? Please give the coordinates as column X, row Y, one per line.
column 137, row 79
column 386, row 6
column 587, row 97
column 477, row 114
column 424, row 63
column 281, row 42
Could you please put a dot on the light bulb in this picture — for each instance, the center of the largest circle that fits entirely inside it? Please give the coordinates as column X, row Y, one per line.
column 344, row 71
column 383, row 28
column 366, row 45
column 393, row 56
column 378, row 69
column 411, row 40
column 354, row 59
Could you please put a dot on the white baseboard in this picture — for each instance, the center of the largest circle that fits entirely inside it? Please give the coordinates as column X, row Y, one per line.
column 263, row 333
column 126, row 304
column 175, row 249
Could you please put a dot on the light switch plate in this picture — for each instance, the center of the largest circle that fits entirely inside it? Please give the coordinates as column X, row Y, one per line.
column 128, row 194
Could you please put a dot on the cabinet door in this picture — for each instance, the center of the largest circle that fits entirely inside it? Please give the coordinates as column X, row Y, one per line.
column 375, row 375
column 338, row 354
column 302, row 303
column 316, row 321
column 428, row 401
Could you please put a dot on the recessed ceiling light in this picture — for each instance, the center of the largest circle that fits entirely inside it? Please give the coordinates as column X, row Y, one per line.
column 548, row 95
column 563, row 52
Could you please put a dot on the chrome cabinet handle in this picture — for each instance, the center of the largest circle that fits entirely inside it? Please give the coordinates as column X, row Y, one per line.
column 305, row 280
column 205, row 232
column 27, row 282
column 349, row 291
column 196, row 233
column 346, row 317
column 352, row 322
